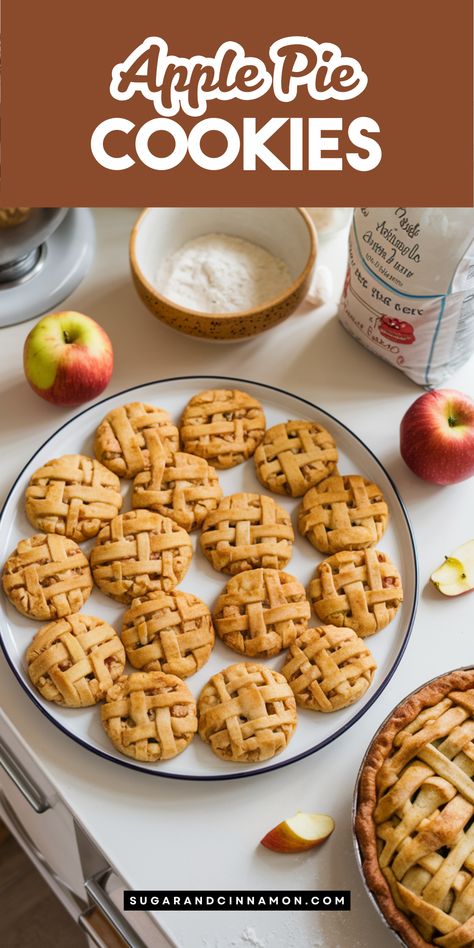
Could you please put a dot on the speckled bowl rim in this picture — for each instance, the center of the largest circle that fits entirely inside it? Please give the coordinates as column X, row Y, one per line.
column 242, row 313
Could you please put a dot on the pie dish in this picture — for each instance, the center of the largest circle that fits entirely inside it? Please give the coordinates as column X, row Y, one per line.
column 261, row 612
column 138, row 552
column 121, row 440
column 328, row 668
column 360, row 588
column 224, row 426
column 247, row 712
column 247, row 531
column 294, row 456
column 74, row 660
column 149, row 716
column 343, row 513
column 168, row 631
column 73, row 496
column 414, row 815
column 47, row 577
column 177, row 485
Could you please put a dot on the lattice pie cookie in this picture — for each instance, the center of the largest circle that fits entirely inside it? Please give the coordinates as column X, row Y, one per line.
column 122, row 438
column 223, row 426
column 47, row 577
column 170, row 632
column 328, row 668
column 73, row 496
column 245, row 532
column 74, row 661
column 414, row 817
column 260, row 612
column 177, row 485
column 138, row 552
column 343, row 513
column 295, row 455
column 150, row 716
column 247, row 712
column 361, row 589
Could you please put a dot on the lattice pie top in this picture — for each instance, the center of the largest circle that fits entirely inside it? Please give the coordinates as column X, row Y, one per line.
column 47, row 577
column 295, row 455
column 177, row 485
column 247, row 531
column 223, row 426
column 343, row 513
column 170, row 632
column 121, row 440
column 415, row 815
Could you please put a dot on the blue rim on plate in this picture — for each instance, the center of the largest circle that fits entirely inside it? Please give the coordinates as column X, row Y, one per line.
column 345, row 727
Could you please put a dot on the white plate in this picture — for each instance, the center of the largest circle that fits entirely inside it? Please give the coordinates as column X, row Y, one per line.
column 314, row 730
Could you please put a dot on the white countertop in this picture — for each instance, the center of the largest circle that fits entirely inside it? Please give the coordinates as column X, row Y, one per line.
column 161, row 833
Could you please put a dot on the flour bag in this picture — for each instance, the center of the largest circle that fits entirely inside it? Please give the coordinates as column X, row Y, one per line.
column 409, row 289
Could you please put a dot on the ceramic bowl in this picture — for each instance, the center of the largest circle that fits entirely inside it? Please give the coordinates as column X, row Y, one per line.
column 286, row 232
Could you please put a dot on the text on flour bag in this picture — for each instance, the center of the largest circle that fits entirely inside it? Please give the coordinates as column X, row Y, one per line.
column 409, row 289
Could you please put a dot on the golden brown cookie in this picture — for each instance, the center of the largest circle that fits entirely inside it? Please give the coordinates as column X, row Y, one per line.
column 170, row 632
column 123, row 438
column 261, row 612
column 75, row 660
column 150, row 716
column 74, row 496
column 247, row 531
column 328, row 668
column 223, row 426
column 47, row 577
column 294, row 456
column 139, row 552
column 177, row 485
column 343, row 513
column 361, row 589
column 247, row 713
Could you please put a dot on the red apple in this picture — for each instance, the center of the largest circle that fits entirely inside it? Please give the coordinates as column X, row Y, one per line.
column 68, row 358
column 299, row 833
column 437, row 436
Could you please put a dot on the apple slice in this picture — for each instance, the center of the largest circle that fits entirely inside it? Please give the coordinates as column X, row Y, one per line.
column 456, row 575
column 298, row 833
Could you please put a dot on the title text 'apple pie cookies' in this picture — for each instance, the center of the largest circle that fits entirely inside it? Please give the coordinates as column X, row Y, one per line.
column 74, row 661
column 343, row 513
column 177, row 485
column 138, row 552
column 223, row 426
column 47, row 577
column 294, row 456
column 328, row 668
column 73, row 496
column 170, row 632
column 247, row 712
column 150, row 716
column 261, row 612
column 361, row 589
column 122, row 438
column 247, row 531
column 414, row 815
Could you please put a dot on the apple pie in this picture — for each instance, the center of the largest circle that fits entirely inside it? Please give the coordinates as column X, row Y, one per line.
column 177, row 485
column 247, row 531
column 47, row 577
column 261, row 612
column 223, row 426
column 168, row 631
column 343, row 513
column 247, row 712
column 75, row 660
column 328, row 668
column 74, row 496
column 361, row 589
column 294, row 456
column 149, row 716
column 139, row 552
column 415, row 815
column 122, row 438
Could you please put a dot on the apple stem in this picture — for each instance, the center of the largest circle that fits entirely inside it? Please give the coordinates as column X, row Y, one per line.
column 451, row 421
column 66, row 336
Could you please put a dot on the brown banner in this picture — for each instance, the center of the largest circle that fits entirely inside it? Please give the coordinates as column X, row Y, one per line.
column 410, row 129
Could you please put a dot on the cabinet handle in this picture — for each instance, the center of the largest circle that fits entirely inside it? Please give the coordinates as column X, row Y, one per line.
column 85, row 922
column 95, row 889
column 22, row 782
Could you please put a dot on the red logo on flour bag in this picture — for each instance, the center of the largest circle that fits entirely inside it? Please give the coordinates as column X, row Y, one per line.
column 409, row 289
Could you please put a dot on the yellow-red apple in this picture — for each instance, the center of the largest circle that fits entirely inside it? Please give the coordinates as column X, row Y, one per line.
column 456, row 575
column 298, row 833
